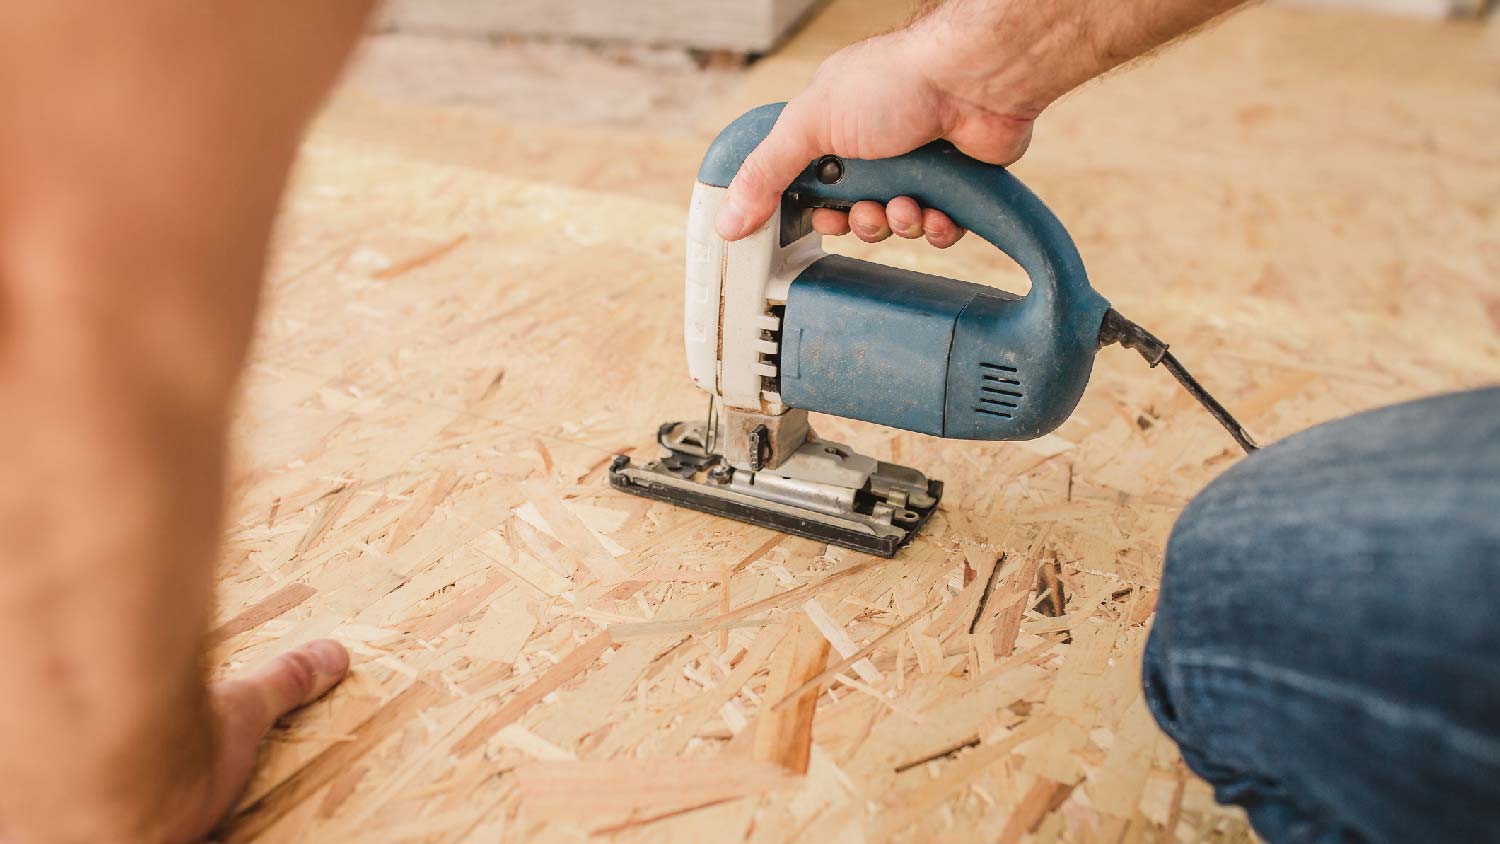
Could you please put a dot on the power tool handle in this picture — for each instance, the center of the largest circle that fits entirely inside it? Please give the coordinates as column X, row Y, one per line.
column 924, row 353
column 983, row 198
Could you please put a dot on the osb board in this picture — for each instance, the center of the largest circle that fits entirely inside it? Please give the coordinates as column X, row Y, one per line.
column 452, row 351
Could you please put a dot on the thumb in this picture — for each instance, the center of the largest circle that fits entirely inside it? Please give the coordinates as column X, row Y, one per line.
column 295, row 678
column 755, row 191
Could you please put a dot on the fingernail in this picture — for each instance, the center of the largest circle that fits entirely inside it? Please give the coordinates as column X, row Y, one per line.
column 330, row 656
column 730, row 221
column 866, row 231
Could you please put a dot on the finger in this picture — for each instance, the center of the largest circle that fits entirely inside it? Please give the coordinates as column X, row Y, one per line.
column 755, row 191
column 942, row 232
column 293, row 679
column 905, row 217
column 867, row 219
column 830, row 221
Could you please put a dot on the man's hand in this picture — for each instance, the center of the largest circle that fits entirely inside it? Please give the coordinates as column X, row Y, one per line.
column 243, row 710
column 976, row 72
column 875, row 99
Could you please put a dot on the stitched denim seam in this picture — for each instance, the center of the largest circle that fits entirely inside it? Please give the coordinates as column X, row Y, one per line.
column 1454, row 737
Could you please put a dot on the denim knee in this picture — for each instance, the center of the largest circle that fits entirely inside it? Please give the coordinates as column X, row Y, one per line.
column 1326, row 650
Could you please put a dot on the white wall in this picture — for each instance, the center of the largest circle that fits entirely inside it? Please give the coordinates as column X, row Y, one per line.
column 1413, row 8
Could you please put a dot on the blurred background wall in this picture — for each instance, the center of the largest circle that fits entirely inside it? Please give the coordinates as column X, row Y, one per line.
column 662, row 65
column 748, row 26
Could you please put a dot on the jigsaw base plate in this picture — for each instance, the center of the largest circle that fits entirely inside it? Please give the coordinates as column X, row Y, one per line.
column 693, row 482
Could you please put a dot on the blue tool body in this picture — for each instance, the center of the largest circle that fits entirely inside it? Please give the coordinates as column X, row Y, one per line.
column 920, row 352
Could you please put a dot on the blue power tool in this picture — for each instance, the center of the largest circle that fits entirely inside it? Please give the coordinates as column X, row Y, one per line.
column 776, row 328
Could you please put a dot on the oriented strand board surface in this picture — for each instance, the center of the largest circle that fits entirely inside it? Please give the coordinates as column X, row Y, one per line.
column 466, row 320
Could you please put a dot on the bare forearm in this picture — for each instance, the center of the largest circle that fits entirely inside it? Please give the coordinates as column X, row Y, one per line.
column 974, row 72
column 107, row 527
column 1021, row 55
column 128, row 306
column 144, row 161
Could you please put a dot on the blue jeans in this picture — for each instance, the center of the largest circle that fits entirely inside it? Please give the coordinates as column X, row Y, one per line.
column 1327, row 644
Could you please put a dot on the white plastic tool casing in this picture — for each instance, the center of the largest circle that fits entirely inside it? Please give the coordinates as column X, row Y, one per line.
column 730, row 289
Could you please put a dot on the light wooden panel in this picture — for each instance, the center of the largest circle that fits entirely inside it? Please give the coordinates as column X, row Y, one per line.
column 742, row 25
column 460, row 333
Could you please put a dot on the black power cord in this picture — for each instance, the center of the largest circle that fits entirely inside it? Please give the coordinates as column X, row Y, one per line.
column 1118, row 329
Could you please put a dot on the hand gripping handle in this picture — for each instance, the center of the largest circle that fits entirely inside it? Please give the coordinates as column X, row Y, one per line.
column 983, row 198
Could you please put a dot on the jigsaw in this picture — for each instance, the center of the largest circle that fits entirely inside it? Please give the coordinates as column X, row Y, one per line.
column 775, row 328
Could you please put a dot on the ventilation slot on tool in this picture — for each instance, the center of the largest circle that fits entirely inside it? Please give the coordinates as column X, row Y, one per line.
column 770, row 337
column 999, row 390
